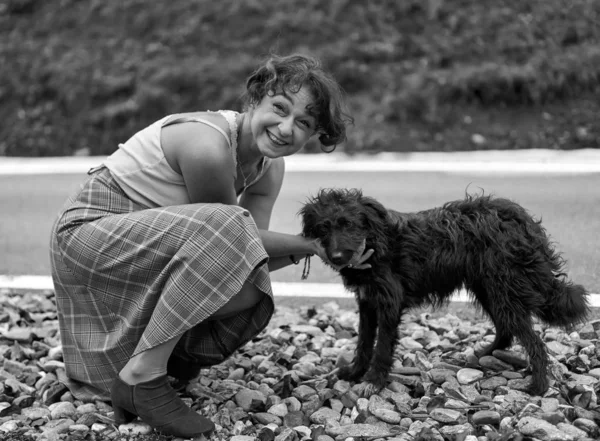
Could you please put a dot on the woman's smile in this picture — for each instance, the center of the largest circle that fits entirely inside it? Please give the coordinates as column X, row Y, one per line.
column 275, row 140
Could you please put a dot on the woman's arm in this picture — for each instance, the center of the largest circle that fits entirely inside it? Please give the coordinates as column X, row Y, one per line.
column 259, row 199
column 287, row 249
column 283, row 244
column 202, row 156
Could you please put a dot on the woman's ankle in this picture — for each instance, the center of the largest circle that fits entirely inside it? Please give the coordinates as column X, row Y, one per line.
column 138, row 371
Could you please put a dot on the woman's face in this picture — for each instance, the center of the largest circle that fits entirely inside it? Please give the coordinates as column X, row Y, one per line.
column 281, row 124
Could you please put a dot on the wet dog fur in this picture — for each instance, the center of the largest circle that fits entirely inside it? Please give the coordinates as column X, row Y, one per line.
column 490, row 246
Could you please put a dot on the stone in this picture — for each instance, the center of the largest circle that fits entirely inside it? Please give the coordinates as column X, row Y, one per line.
column 6, row 409
column 446, row 416
column 306, row 329
column 35, row 413
column 549, row 404
column 440, row 376
column 493, row 363
column 267, row 418
column 23, row 401
column 468, row 375
column 522, row 385
column 387, row 415
column 251, row 400
column 410, row 344
column 279, row 410
column 286, row 435
column 483, row 417
column 296, row 418
column 588, row 426
column 62, row 409
column 493, row 382
column 572, row 430
column 323, row 415
column 135, row 428
column 541, row 430
column 304, row 392
column 361, row 431
column 556, row 348
column 457, row 432
column 376, row 402
column 9, row 426
column 513, row 358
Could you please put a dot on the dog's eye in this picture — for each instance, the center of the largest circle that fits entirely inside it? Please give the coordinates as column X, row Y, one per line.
column 343, row 223
column 321, row 231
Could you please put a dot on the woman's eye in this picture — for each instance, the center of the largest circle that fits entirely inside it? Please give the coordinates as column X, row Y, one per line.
column 279, row 107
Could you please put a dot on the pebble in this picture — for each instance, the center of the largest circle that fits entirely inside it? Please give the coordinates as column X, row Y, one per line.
column 493, row 363
column 542, row 430
column 486, row 417
column 279, row 388
column 468, row 375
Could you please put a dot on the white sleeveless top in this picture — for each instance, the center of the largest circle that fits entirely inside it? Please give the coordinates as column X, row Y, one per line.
column 142, row 171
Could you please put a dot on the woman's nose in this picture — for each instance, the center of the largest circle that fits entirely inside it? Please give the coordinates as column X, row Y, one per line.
column 285, row 127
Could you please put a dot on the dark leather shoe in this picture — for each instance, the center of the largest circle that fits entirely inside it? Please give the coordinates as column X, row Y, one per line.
column 182, row 370
column 157, row 404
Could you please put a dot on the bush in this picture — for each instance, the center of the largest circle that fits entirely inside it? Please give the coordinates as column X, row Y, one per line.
column 87, row 75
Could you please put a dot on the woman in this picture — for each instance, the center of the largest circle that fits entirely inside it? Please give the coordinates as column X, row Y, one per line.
column 161, row 261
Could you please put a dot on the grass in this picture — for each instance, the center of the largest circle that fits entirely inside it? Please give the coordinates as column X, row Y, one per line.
column 83, row 76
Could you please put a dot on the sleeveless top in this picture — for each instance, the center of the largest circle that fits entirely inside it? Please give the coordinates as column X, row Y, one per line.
column 140, row 168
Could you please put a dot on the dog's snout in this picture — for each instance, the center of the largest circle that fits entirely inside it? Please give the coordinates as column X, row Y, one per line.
column 340, row 257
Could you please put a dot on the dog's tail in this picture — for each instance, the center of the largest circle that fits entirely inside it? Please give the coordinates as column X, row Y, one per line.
column 567, row 305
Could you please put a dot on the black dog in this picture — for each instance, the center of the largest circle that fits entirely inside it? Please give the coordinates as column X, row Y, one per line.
column 491, row 246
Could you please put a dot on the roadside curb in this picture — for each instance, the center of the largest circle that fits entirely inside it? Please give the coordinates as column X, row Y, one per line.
column 280, row 289
column 499, row 161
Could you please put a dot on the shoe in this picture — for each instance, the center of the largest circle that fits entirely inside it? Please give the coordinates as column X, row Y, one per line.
column 157, row 404
column 182, row 370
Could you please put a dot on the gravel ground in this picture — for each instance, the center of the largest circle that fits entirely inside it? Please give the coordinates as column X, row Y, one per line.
column 281, row 387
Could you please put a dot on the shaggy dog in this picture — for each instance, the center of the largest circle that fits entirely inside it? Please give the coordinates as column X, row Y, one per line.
column 491, row 246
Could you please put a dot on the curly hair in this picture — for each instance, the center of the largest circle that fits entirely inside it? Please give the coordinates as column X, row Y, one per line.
column 290, row 73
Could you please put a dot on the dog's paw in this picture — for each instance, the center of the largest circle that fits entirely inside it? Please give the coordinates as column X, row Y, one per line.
column 350, row 373
column 376, row 379
column 366, row 389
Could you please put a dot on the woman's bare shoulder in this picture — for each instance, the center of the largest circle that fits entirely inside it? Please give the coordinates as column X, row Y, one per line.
column 195, row 141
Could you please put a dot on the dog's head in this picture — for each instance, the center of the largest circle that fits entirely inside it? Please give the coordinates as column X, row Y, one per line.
column 342, row 220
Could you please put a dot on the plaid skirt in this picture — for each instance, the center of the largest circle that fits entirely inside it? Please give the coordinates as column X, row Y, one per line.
column 128, row 278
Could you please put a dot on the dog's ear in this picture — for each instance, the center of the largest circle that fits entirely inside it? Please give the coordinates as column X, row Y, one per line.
column 376, row 221
column 309, row 214
column 375, row 208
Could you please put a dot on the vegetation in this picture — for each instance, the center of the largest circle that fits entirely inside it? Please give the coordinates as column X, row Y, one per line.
column 82, row 76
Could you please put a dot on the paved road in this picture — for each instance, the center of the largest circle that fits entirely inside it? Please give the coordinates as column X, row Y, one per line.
column 566, row 197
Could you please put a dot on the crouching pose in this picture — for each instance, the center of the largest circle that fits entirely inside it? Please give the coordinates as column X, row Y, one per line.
column 161, row 260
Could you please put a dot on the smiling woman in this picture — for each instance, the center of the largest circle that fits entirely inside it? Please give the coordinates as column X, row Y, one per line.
column 281, row 123
column 166, row 248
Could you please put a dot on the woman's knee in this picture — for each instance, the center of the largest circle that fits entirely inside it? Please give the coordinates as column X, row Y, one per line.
column 248, row 297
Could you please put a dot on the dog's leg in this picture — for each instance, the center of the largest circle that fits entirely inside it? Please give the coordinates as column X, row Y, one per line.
column 494, row 310
column 367, row 328
column 512, row 319
column 503, row 339
column 383, row 358
column 537, row 355
column 504, row 334
column 389, row 295
column 516, row 318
